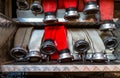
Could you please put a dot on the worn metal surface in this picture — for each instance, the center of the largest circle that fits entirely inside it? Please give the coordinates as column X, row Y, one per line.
column 28, row 18
column 38, row 22
column 60, row 68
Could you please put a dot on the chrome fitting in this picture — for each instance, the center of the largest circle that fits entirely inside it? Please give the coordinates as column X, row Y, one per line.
column 50, row 18
column 71, row 14
column 81, row 46
column 89, row 56
column 36, row 7
column 65, row 56
column 110, row 42
column 107, row 26
column 18, row 53
column 33, row 56
column 91, row 8
column 76, row 57
column 99, row 57
column 48, row 47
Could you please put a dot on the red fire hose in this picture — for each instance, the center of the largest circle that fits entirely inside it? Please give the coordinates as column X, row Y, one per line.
column 107, row 14
column 54, row 35
column 106, row 9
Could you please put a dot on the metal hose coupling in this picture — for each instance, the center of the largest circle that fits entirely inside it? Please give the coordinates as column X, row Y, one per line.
column 107, row 25
column 71, row 14
column 50, row 18
column 110, row 42
column 36, row 7
column 81, row 46
column 22, row 4
column 18, row 53
column 99, row 57
column 91, row 8
column 48, row 47
column 65, row 56
column 34, row 56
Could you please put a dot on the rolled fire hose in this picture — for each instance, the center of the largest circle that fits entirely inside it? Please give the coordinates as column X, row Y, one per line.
column 62, row 44
column 71, row 9
column 110, row 43
column 48, row 46
column 53, row 42
column 106, row 14
column 21, row 42
column 74, row 54
column 91, row 7
column 77, row 43
column 36, row 7
column 34, row 45
column 22, row 4
column 49, row 7
column 97, row 44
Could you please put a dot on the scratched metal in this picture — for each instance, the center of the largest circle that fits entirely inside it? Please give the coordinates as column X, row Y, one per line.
column 60, row 68
column 38, row 22
column 28, row 18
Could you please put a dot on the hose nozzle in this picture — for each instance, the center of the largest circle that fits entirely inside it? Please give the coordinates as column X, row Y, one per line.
column 48, row 47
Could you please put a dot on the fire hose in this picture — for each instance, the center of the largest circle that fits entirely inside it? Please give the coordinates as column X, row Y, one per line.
column 99, row 50
column 107, row 13
column 34, row 46
column 78, row 44
column 21, row 41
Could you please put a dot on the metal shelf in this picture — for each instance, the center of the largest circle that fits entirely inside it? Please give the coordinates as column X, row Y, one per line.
column 21, row 67
column 27, row 18
column 38, row 22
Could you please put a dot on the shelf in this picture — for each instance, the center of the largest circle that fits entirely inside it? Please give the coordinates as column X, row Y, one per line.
column 27, row 18
column 20, row 67
column 38, row 22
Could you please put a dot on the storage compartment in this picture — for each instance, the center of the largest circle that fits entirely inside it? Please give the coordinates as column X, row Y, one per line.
column 92, row 50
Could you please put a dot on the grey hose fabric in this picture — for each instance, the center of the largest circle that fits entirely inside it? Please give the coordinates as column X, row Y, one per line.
column 70, row 45
column 96, row 40
column 35, row 44
column 35, row 41
column 96, row 44
column 21, row 41
column 75, row 35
